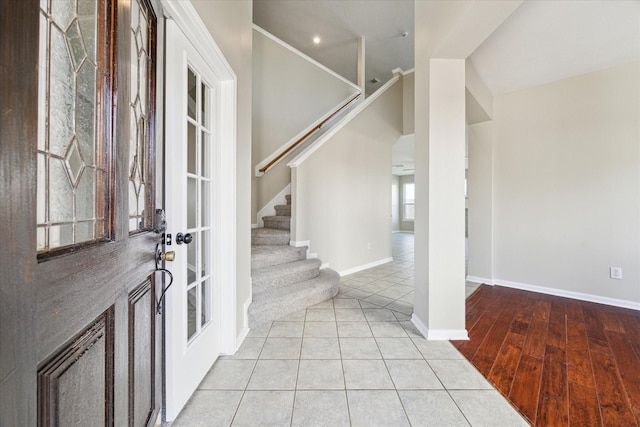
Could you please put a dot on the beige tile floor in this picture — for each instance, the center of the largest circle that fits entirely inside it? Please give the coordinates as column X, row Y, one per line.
column 355, row 360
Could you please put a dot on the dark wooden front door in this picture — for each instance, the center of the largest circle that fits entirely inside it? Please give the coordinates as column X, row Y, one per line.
column 79, row 331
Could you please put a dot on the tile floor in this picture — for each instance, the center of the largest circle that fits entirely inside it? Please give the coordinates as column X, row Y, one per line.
column 355, row 360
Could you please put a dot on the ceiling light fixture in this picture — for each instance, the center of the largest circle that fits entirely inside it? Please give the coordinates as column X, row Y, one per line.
column 316, row 39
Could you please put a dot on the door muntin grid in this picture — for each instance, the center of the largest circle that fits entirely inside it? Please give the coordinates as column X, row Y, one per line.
column 199, row 203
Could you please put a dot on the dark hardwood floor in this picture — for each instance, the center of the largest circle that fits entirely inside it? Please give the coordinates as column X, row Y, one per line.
column 559, row 361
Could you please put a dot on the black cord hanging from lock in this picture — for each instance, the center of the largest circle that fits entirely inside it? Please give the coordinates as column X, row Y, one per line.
column 163, row 270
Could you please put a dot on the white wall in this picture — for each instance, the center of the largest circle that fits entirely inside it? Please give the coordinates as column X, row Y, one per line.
column 480, row 202
column 395, row 202
column 408, row 103
column 289, row 94
column 230, row 23
column 567, row 184
column 342, row 197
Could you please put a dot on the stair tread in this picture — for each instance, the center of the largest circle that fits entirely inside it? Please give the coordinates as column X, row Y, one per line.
column 270, row 255
column 272, row 272
column 278, row 296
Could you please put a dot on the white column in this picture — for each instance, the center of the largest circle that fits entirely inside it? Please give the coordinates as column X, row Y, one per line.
column 439, row 306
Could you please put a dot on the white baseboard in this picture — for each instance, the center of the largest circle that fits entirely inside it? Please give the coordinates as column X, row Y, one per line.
column 480, row 280
column 245, row 326
column 301, row 243
column 438, row 334
column 569, row 294
column 256, row 225
column 269, row 209
column 364, row 267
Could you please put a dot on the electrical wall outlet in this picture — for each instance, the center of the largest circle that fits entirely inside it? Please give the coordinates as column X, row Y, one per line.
column 615, row 272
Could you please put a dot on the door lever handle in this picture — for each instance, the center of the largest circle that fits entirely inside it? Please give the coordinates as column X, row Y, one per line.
column 184, row 238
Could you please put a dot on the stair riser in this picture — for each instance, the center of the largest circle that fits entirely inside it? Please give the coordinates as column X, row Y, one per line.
column 266, row 260
column 260, row 286
column 283, row 210
column 270, row 240
column 280, row 225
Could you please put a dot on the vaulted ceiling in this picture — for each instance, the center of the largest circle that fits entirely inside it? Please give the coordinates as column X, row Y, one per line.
column 542, row 41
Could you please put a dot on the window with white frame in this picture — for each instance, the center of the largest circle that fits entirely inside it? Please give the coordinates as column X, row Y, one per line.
column 408, row 201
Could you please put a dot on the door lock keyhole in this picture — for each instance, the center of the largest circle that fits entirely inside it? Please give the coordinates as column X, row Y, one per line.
column 184, row 238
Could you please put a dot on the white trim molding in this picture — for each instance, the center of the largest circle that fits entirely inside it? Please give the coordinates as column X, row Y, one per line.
column 569, row 294
column 438, row 334
column 365, row 266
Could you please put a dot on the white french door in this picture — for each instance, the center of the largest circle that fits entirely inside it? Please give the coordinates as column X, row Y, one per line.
column 192, row 137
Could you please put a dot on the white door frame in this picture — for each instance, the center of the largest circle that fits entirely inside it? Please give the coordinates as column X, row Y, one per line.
column 188, row 20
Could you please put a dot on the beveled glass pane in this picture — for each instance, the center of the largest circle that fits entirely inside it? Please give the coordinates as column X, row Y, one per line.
column 192, row 207
column 192, row 304
column 60, row 193
column 191, row 148
column 73, row 162
column 88, row 23
column 135, row 11
column 143, row 82
column 41, row 236
column 205, row 210
column 76, row 47
column 63, row 11
column 61, row 95
column 205, row 153
column 60, row 235
column 142, row 201
column 133, row 203
column 85, row 195
column 85, row 112
column 42, row 190
column 205, row 312
column 191, row 94
column 84, row 231
column 192, row 259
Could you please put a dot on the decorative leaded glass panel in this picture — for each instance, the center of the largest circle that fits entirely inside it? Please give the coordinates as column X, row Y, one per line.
column 140, row 166
column 72, row 139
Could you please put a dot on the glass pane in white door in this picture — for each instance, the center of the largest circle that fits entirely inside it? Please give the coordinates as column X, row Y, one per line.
column 198, row 177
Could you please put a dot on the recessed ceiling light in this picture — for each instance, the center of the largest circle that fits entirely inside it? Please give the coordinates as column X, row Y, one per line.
column 316, row 39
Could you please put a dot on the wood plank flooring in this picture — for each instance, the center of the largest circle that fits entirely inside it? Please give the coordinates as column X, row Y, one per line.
column 561, row 362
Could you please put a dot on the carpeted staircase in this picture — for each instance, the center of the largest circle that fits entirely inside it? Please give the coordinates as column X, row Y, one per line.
column 284, row 280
